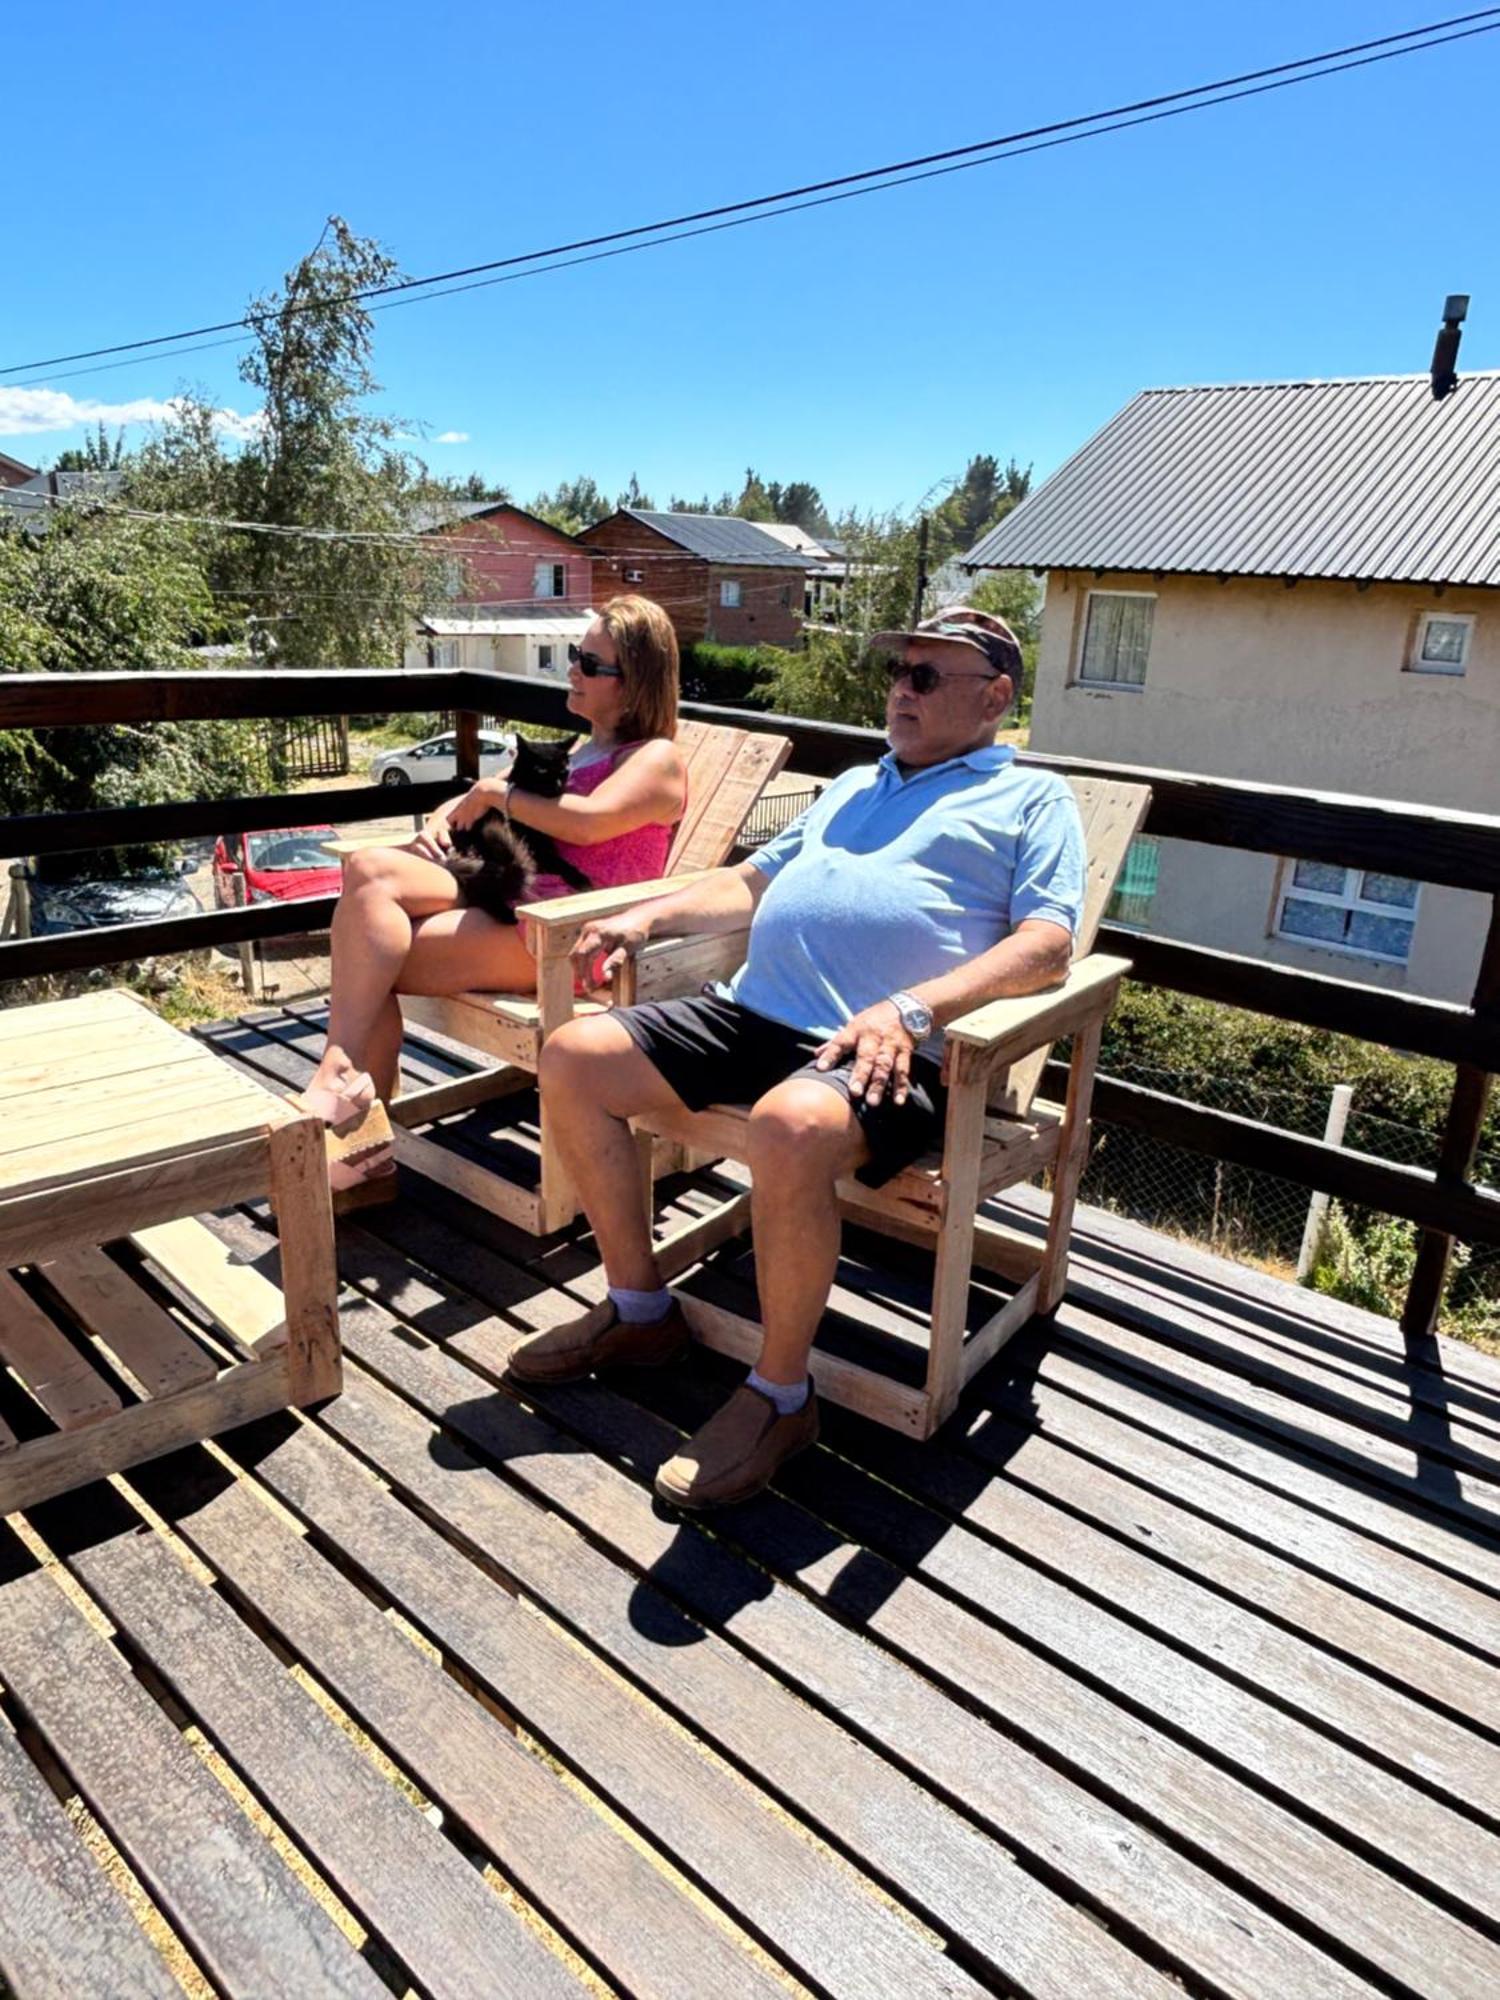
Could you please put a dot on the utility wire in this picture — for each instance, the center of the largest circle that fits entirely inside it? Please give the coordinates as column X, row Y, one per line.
column 898, row 173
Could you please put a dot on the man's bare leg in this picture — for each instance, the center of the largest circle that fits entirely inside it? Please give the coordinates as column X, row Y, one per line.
column 802, row 1138
column 593, row 1080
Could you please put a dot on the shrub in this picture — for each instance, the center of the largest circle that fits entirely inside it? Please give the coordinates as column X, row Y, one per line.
column 731, row 676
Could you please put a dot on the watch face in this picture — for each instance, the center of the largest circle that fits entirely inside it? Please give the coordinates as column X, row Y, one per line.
column 915, row 1018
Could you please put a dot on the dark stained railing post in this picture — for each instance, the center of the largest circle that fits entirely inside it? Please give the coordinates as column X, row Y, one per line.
column 1466, row 1109
column 466, row 728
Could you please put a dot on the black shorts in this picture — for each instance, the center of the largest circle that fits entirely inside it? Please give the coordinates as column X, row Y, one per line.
column 713, row 1051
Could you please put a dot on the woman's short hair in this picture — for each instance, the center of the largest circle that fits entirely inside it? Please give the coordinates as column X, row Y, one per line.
column 646, row 647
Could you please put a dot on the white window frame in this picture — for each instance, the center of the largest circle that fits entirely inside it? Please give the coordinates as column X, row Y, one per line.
column 1350, row 900
column 1451, row 668
column 549, row 579
column 1080, row 679
column 635, row 576
column 547, row 665
column 730, row 594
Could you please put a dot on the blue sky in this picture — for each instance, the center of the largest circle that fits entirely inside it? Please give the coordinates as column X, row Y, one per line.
column 186, row 156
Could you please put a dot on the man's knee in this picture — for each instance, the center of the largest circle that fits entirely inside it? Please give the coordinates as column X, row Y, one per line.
column 589, row 1055
column 802, row 1129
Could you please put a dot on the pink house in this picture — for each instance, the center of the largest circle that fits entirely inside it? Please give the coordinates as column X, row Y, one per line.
column 503, row 555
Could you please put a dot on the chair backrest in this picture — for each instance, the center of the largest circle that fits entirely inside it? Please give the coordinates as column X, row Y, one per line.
column 1111, row 813
column 727, row 770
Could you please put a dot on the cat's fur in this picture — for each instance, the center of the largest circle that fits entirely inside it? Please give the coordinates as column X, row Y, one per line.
column 495, row 861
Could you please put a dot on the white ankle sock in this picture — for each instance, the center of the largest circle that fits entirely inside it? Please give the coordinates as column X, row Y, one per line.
column 787, row 1396
column 640, row 1308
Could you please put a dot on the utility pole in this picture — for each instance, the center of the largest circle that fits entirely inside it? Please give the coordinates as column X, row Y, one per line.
column 916, row 615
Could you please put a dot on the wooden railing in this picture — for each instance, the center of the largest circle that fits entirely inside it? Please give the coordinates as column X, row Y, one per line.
column 1459, row 850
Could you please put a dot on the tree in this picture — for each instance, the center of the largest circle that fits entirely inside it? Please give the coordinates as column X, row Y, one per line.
column 576, row 505
column 324, row 561
column 98, row 453
column 634, row 497
column 984, row 495
column 754, row 502
column 800, row 505
column 97, row 593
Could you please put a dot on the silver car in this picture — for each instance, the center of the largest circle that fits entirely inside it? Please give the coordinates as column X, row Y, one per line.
column 438, row 758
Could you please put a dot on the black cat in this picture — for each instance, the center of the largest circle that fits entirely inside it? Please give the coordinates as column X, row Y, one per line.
column 495, row 861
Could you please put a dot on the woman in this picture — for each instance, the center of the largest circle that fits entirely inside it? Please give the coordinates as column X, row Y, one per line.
column 402, row 926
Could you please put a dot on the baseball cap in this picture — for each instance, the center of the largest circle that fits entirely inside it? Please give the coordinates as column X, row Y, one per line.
column 962, row 625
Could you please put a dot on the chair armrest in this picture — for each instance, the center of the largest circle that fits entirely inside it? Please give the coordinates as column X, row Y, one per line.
column 1001, row 1031
column 559, row 922
column 671, row 968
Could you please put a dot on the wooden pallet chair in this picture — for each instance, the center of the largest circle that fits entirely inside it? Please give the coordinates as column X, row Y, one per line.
column 997, row 1135
column 503, row 1033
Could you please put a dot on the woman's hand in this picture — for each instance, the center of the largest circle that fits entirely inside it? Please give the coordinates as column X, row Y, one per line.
column 435, row 841
column 882, row 1049
column 484, row 795
column 618, row 938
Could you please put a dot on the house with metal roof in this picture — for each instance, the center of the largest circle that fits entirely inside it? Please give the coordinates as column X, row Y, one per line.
column 1290, row 582
column 719, row 578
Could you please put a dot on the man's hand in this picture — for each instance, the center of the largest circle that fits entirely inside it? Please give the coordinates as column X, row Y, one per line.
column 619, row 938
column 484, row 795
column 882, row 1050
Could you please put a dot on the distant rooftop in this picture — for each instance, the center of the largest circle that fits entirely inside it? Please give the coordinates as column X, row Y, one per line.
column 1366, row 478
column 721, row 538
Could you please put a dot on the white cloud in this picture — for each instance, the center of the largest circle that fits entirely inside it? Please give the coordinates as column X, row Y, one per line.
column 451, row 437
column 30, row 412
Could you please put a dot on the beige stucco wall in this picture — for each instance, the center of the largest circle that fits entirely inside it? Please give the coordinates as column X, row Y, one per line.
column 1306, row 687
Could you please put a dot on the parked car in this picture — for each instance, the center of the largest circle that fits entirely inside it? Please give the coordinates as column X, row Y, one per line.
column 130, row 899
column 278, row 867
column 438, row 758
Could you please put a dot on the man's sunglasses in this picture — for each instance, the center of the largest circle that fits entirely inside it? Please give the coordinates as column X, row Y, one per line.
column 925, row 677
column 591, row 666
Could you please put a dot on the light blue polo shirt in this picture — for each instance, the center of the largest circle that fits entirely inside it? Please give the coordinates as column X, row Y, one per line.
column 888, row 881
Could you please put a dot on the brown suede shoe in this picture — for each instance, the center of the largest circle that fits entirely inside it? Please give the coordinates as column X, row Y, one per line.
column 737, row 1452
column 599, row 1338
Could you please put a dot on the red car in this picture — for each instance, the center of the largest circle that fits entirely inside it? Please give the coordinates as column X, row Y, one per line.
column 278, row 867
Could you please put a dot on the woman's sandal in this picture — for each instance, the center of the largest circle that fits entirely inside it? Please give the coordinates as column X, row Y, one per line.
column 357, row 1139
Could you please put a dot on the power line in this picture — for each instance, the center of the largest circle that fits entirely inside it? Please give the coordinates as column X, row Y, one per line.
column 896, row 174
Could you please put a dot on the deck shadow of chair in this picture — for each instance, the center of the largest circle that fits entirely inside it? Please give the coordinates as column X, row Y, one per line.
column 503, row 1033
column 997, row 1134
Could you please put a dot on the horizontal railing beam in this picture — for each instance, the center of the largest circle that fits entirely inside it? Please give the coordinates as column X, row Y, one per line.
column 114, row 944
column 1442, row 1028
column 1436, row 1202
column 56, row 701
column 144, row 826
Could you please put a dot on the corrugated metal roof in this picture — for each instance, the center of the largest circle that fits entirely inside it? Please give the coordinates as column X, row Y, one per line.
column 1367, row 479
column 721, row 538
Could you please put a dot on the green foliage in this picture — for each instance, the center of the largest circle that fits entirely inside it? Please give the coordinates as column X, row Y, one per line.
column 984, row 495
column 344, row 595
column 837, row 676
column 99, row 452
column 732, row 676
column 575, row 505
column 634, row 497
column 98, row 593
column 1369, row 1267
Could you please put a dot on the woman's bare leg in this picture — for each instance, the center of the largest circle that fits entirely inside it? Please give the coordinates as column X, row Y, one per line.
column 457, row 950
column 385, row 890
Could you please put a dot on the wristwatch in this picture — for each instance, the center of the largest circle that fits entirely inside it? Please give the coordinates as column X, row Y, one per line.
column 916, row 1015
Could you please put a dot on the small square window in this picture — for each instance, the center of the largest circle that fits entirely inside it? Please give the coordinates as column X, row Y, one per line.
column 1442, row 645
column 729, row 594
column 1116, row 638
column 1366, row 914
column 635, row 576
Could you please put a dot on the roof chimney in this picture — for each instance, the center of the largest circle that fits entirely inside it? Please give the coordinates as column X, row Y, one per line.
column 1445, row 348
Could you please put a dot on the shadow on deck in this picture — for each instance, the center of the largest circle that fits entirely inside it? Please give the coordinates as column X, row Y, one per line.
column 1171, row 1664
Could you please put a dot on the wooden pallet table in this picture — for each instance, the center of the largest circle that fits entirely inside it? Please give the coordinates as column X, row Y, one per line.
column 118, row 1129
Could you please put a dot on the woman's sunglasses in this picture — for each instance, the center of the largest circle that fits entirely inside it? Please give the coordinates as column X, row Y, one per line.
column 591, row 666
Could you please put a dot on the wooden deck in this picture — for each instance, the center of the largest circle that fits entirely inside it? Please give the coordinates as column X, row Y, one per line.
column 1172, row 1665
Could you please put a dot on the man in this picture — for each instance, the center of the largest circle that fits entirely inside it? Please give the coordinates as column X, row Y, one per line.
column 912, row 891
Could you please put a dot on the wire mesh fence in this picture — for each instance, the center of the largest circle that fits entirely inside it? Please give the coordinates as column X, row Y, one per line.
column 1252, row 1216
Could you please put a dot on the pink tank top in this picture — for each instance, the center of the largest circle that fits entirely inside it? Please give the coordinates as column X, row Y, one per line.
column 628, row 857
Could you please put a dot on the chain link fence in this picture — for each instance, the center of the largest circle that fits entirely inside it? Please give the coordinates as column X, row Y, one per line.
column 1255, row 1217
